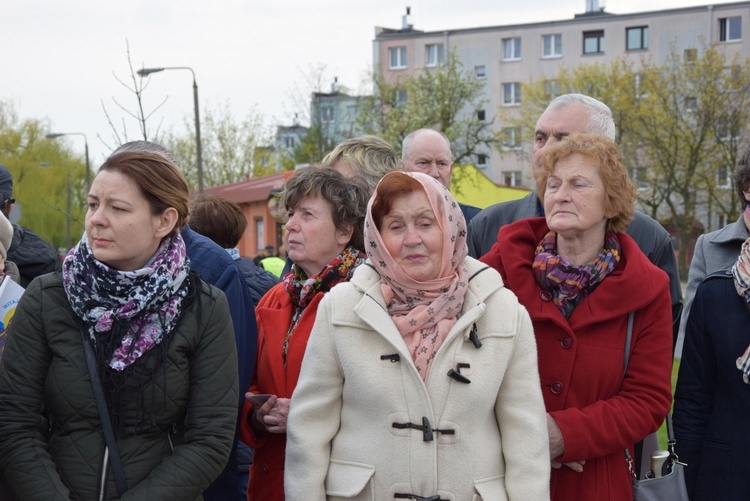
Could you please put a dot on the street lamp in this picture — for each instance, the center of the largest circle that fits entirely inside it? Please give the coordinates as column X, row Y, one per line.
column 55, row 135
column 199, row 153
column 67, row 206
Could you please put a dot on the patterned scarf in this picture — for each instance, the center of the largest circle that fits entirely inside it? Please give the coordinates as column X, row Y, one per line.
column 570, row 284
column 424, row 312
column 146, row 303
column 302, row 289
column 741, row 273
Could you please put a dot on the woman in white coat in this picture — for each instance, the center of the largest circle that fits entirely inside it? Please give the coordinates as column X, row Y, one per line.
column 420, row 377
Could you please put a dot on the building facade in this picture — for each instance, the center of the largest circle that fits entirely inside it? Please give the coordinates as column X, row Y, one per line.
column 504, row 56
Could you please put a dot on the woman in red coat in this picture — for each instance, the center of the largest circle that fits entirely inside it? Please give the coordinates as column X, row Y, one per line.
column 579, row 276
column 324, row 236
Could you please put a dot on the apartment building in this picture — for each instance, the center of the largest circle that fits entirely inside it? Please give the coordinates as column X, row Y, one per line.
column 504, row 56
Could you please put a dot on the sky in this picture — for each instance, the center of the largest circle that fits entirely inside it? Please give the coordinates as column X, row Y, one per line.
column 66, row 63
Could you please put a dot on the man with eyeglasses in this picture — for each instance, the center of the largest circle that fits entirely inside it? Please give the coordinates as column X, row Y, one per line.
column 32, row 254
column 429, row 151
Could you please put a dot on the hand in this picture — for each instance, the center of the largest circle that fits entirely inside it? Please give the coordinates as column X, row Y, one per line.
column 272, row 415
column 576, row 466
column 556, row 442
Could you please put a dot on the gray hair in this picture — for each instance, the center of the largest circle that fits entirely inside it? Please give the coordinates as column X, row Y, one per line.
column 412, row 135
column 369, row 156
column 600, row 122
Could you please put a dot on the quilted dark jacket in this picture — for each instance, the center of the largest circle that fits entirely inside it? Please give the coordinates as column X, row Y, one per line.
column 43, row 373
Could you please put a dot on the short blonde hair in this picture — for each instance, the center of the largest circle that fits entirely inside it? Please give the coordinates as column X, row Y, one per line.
column 618, row 187
column 370, row 156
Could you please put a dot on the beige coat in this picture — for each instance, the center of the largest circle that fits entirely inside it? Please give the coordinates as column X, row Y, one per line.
column 358, row 382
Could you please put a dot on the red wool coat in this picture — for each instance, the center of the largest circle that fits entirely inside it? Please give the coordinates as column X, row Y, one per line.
column 274, row 314
column 581, row 361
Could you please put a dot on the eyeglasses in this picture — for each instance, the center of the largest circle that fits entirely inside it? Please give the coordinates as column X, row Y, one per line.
column 6, row 202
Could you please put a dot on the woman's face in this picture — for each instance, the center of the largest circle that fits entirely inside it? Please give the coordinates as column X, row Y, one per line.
column 120, row 228
column 574, row 201
column 413, row 237
column 312, row 238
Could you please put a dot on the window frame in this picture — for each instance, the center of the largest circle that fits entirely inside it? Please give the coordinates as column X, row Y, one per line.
column 515, row 42
column 439, row 54
column 515, row 93
column 725, row 29
column 483, row 71
column 400, row 60
column 642, row 39
column 555, row 46
column 598, row 35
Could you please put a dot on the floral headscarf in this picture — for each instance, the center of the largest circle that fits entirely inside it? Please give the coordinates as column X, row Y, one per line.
column 424, row 312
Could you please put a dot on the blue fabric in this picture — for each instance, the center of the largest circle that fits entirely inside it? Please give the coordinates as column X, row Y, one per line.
column 469, row 211
column 258, row 280
column 216, row 267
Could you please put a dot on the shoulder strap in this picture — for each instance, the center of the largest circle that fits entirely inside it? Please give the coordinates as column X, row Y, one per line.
column 101, row 405
column 628, row 340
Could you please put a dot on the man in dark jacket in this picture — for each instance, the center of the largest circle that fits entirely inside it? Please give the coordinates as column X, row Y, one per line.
column 32, row 254
column 567, row 114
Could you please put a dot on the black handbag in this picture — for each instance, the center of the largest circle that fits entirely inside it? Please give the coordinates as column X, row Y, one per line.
column 670, row 484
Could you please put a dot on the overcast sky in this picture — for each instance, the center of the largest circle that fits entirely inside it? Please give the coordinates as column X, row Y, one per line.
column 59, row 59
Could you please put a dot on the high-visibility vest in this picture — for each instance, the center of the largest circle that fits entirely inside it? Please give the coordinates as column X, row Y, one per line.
column 273, row 264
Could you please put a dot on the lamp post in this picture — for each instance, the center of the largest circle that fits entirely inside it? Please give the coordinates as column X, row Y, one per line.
column 55, row 135
column 198, row 151
column 67, row 205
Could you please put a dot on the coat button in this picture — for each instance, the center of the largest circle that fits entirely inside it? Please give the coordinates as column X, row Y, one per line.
column 566, row 342
column 546, row 296
column 557, row 387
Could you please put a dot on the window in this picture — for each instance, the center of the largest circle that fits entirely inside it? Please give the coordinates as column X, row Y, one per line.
column 730, row 29
column 511, row 138
column 511, row 49
column 551, row 89
column 351, row 113
column 636, row 38
column 259, row 233
column 724, row 131
column 480, row 71
column 481, row 116
column 511, row 94
column 289, row 142
column 552, row 45
column 401, row 97
column 724, row 177
column 691, row 103
column 326, row 114
column 481, row 160
column 691, row 55
column 397, row 57
column 434, row 55
column 593, row 42
column 638, row 86
column 512, row 178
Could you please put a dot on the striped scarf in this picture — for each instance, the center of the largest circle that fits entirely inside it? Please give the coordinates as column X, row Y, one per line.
column 569, row 284
column 741, row 273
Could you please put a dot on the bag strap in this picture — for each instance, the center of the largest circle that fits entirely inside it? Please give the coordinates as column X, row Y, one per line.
column 628, row 340
column 101, row 405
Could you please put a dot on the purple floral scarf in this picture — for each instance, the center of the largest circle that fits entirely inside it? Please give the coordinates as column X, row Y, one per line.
column 569, row 284
column 147, row 300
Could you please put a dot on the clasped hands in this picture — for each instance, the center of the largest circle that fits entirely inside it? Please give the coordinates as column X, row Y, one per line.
column 557, row 447
column 271, row 416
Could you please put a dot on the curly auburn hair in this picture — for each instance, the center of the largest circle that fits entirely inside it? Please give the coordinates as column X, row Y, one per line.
column 619, row 189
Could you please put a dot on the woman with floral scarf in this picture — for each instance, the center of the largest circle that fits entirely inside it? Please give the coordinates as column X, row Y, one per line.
column 712, row 399
column 161, row 342
column 324, row 240
column 420, row 378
